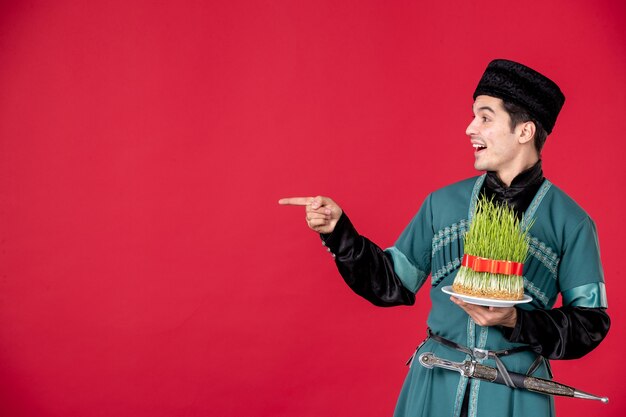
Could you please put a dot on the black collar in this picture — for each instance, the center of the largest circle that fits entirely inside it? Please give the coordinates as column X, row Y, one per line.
column 520, row 193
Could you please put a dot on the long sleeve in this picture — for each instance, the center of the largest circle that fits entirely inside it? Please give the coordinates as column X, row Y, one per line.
column 365, row 267
column 561, row 333
column 571, row 331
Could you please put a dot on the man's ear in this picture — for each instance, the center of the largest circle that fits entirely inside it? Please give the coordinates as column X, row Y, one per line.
column 526, row 131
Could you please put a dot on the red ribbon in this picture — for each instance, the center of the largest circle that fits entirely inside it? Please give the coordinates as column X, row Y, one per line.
column 493, row 266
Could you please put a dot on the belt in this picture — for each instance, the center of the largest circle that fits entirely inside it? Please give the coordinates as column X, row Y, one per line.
column 480, row 354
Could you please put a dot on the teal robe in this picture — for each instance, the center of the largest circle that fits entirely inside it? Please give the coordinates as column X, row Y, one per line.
column 564, row 258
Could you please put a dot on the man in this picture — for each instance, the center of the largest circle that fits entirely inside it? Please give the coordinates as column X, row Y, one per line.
column 515, row 108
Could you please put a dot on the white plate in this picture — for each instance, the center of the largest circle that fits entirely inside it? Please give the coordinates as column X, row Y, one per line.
column 487, row 302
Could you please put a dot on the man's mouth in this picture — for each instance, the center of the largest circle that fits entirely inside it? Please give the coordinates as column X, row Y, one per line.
column 478, row 147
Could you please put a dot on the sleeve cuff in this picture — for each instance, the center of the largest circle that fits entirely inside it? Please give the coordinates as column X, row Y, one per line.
column 513, row 334
column 342, row 238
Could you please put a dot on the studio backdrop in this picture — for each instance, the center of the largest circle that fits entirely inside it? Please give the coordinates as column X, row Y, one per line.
column 146, row 268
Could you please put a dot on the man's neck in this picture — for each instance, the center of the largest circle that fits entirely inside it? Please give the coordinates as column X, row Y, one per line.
column 508, row 175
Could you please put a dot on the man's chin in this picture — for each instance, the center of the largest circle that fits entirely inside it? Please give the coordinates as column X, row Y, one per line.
column 480, row 167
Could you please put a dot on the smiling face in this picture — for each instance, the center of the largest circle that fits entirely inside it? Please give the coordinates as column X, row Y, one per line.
column 497, row 147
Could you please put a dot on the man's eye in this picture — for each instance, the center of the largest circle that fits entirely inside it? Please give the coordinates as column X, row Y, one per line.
column 485, row 119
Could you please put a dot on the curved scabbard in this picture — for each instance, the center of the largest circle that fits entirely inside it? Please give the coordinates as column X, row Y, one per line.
column 473, row 369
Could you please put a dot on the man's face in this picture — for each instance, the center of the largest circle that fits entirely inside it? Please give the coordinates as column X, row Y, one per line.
column 495, row 146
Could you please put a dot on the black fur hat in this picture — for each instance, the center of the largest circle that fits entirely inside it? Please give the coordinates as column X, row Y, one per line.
column 514, row 82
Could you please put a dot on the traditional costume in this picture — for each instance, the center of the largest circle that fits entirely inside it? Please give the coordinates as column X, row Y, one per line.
column 564, row 258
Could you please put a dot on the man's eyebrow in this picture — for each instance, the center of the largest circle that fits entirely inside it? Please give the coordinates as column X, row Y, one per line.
column 486, row 108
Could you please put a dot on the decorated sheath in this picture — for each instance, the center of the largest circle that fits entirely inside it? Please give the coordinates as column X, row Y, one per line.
column 473, row 369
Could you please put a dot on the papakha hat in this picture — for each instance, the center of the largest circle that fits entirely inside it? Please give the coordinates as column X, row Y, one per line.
column 521, row 85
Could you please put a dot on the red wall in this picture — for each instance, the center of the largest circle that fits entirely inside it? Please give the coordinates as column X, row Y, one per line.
column 145, row 267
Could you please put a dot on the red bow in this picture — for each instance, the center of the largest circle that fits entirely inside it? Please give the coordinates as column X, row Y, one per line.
column 491, row 265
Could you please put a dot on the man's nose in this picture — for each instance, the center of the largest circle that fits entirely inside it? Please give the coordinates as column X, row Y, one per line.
column 471, row 128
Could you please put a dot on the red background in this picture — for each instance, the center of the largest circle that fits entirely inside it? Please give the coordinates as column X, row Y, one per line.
column 145, row 267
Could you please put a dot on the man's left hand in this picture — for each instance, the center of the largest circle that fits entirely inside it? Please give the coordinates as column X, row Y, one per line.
column 488, row 316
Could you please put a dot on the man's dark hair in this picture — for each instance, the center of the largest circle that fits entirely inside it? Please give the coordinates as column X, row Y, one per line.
column 520, row 115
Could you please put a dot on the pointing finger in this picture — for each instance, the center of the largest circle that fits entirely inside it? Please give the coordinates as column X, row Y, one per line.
column 295, row 201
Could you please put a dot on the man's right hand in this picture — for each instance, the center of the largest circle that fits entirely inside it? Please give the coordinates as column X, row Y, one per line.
column 322, row 213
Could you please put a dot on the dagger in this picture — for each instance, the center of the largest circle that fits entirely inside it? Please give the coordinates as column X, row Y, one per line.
column 473, row 369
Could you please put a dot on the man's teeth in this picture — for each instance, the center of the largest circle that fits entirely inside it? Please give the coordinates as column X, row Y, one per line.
column 478, row 147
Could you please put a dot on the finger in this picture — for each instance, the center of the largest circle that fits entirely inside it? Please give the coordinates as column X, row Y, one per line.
column 295, row 201
column 461, row 303
column 316, row 203
column 322, row 210
column 320, row 201
column 311, row 216
column 469, row 306
column 317, row 222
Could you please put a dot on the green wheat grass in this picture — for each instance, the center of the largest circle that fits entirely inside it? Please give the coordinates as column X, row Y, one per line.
column 494, row 233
